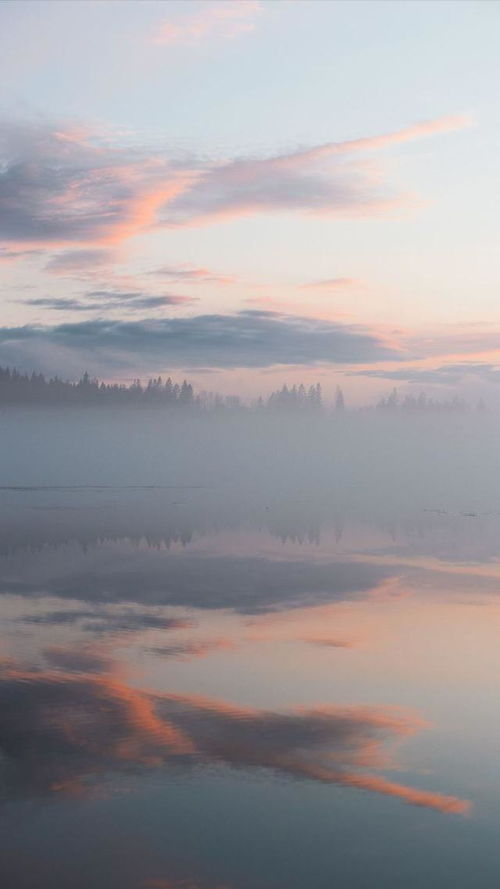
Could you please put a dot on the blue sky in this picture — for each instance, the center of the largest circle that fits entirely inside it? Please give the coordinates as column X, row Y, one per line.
column 150, row 172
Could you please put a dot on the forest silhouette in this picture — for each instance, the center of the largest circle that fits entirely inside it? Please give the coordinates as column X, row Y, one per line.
column 18, row 388
column 36, row 389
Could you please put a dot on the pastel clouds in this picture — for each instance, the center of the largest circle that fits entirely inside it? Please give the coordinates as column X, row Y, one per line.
column 56, row 191
column 446, row 124
column 334, row 284
column 59, row 190
column 221, row 20
column 321, row 180
column 8, row 255
column 193, row 275
column 75, row 263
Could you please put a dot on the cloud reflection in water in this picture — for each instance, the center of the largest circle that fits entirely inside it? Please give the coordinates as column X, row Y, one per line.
column 59, row 732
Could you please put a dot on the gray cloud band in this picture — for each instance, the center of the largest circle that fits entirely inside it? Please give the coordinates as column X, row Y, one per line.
column 245, row 339
column 445, row 375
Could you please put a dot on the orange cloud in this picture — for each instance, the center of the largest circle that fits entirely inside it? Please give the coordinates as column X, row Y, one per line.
column 98, row 724
column 428, row 799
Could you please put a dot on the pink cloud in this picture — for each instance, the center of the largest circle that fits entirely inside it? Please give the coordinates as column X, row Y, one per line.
column 446, row 124
column 333, row 284
column 224, row 20
column 325, row 179
column 14, row 253
column 193, row 275
column 440, row 802
column 59, row 190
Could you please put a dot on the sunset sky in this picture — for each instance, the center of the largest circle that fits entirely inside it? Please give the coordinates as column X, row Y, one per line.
column 251, row 193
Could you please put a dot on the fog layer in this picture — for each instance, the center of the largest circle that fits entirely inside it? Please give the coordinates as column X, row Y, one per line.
column 363, row 461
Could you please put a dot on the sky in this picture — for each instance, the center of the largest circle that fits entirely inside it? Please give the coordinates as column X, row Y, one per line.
column 250, row 193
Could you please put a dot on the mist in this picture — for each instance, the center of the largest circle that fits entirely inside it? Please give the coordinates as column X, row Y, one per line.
column 364, row 461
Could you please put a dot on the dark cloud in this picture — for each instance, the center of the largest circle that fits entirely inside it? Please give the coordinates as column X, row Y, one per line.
column 102, row 621
column 249, row 585
column 136, row 299
column 58, row 304
column 77, row 661
column 59, row 732
column 187, row 651
column 245, row 339
column 155, row 302
column 105, row 300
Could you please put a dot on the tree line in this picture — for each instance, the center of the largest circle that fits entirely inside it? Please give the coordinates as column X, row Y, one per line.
column 36, row 389
column 421, row 403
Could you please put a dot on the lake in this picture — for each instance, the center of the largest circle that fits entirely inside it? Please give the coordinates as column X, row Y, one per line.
column 205, row 689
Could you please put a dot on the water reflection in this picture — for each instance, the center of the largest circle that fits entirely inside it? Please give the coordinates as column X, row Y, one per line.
column 241, row 656
column 60, row 731
column 239, row 556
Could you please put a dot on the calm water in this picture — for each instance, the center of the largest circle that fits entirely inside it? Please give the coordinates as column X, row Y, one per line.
column 204, row 692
